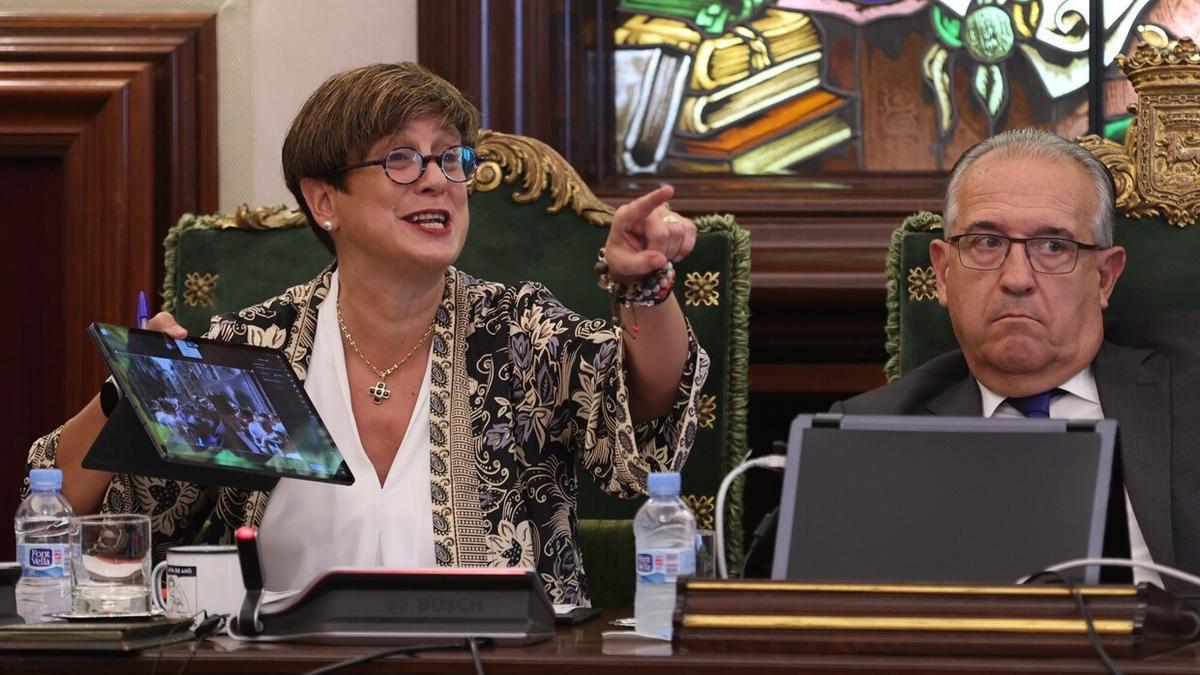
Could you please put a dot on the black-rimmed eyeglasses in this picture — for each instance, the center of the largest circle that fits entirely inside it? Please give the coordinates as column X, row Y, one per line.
column 1047, row 255
column 405, row 165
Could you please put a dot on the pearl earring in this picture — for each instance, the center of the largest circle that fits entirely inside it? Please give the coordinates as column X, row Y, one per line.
column 328, row 225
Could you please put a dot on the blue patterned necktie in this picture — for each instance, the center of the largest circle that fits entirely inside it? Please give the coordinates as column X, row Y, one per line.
column 1037, row 405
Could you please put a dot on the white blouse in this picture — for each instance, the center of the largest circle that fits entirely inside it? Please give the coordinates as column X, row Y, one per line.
column 310, row 527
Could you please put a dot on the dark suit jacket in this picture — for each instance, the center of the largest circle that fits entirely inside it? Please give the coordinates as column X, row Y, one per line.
column 1150, row 386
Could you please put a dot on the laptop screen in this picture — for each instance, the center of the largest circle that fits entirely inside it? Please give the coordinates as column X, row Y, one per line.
column 941, row 499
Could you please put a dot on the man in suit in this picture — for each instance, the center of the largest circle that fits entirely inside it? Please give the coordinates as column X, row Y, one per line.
column 1025, row 269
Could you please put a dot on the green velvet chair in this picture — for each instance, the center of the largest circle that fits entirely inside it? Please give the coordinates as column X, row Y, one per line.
column 532, row 218
column 1155, row 180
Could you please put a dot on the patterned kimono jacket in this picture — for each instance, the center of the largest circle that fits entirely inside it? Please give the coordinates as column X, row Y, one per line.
column 521, row 388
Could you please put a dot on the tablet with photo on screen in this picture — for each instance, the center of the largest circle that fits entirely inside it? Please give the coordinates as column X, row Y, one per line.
column 213, row 413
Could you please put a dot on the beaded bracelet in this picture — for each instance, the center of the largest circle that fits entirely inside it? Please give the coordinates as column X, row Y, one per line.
column 651, row 290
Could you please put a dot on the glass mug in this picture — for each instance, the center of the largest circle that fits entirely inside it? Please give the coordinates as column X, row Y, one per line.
column 110, row 564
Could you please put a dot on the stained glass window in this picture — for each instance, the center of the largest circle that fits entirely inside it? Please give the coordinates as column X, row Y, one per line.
column 802, row 86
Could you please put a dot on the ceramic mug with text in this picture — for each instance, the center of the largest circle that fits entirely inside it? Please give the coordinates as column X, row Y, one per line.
column 199, row 578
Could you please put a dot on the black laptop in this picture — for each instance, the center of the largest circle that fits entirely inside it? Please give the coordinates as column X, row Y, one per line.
column 942, row 499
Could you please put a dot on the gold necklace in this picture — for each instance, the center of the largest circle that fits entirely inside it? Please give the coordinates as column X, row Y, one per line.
column 379, row 392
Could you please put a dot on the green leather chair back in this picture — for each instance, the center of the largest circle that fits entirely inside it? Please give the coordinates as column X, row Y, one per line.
column 1160, row 273
column 532, row 218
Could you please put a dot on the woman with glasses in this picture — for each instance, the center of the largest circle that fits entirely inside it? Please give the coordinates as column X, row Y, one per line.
column 461, row 405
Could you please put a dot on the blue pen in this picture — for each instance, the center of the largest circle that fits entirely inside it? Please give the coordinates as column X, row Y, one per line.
column 143, row 310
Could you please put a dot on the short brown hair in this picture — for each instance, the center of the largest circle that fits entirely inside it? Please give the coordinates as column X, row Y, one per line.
column 352, row 111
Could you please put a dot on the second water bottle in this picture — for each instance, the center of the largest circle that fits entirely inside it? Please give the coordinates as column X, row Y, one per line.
column 665, row 532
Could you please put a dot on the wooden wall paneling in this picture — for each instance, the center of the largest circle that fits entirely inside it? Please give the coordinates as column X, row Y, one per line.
column 98, row 118
column 31, row 189
column 536, row 68
column 818, row 242
column 125, row 105
column 451, row 36
column 181, row 48
column 85, row 131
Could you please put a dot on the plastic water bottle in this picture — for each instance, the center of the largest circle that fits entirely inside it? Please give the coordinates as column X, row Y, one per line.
column 665, row 532
column 43, row 526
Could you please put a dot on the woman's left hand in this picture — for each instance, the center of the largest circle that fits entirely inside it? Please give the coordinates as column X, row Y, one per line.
column 645, row 234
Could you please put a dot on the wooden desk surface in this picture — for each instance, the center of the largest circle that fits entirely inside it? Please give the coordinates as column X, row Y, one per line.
column 577, row 650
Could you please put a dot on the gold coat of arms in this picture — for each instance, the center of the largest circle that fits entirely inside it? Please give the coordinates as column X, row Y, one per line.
column 1156, row 171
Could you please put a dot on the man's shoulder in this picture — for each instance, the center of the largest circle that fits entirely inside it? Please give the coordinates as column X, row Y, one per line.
column 1170, row 333
column 909, row 394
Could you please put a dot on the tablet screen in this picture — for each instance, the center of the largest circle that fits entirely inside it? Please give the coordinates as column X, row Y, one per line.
column 220, row 405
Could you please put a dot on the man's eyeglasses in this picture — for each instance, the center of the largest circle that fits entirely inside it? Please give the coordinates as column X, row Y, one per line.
column 1047, row 255
column 405, row 165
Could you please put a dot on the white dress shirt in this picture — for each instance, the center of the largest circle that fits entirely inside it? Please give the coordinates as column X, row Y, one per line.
column 1081, row 401
column 310, row 527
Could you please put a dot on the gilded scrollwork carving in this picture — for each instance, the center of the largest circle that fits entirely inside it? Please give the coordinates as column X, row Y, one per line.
column 1181, row 53
column 541, row 169
column 1156, row 171
column 261, row 218
column 1119, row 160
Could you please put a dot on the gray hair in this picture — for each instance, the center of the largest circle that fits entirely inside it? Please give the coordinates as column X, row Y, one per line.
column 1042, row 145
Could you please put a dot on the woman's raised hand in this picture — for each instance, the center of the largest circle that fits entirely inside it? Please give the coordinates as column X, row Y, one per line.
column 645, row 234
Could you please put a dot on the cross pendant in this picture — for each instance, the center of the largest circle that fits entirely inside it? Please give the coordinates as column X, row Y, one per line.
column 379, row 393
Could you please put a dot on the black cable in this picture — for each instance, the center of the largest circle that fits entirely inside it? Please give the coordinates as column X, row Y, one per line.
column 1093, row 637
column 182, row 624
column 393, row 651
column 212, row 624
column 191, row 652
column 475, row 658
